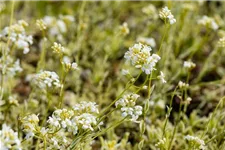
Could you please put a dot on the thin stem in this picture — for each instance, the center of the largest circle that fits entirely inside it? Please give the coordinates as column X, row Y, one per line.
column 164, row 35
column 209, row 121
column 41, row 63
column 61, row 90
column 119, row 96
column 168, row 114
column 177, row 121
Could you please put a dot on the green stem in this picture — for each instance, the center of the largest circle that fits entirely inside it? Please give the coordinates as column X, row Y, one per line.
column 41, row 63
column 169, row 111
column 62, row 90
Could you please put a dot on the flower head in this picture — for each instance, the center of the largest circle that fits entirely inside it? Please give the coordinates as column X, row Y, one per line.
column 208, row 22
column 166, row 15
column 46, row 79
column 139, row 55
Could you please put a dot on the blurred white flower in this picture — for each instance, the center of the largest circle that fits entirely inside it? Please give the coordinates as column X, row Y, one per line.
column 46, row 79
column 189, row 65
column 147, row 41
column 9, row 139
column 165, row 14
column 162, row 77
column 208, row 22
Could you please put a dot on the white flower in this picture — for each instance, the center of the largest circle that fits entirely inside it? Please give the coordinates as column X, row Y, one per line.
column 61, row 26
column 30, row 124
column 189, row 65
column 124, row 29
column 128, row 108
column 125, row 72
column 9, row 139
column 208, row 22
column 9, row 66
column 86, row 121
column 74, row 66
column 87, row 107
column 16, row 33
column 162, row 77
column 46, row 79
column 139, row 55
column 166, row 14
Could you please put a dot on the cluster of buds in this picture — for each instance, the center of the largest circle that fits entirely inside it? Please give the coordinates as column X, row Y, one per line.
column 182, row 85
column 41, row 25
column 68, row 65
column 58, row 48
column 166, row 15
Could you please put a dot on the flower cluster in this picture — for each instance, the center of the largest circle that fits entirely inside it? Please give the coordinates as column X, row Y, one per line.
column 139, row 55
column 208, row 22
column 58, row 141
column 221, row 42
column 16, row 33
column 68, row 65
column 30, row 125
column 82, row 116
column 58, row 48
column 62, row 118
column 182, row 85
column 46, row 79
column 165, row 14
column 9, row 66
column 196, row 141
column 127, row 105
column 62, row 123
column 189, row 65
column 9, row 139
column 57, row 27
